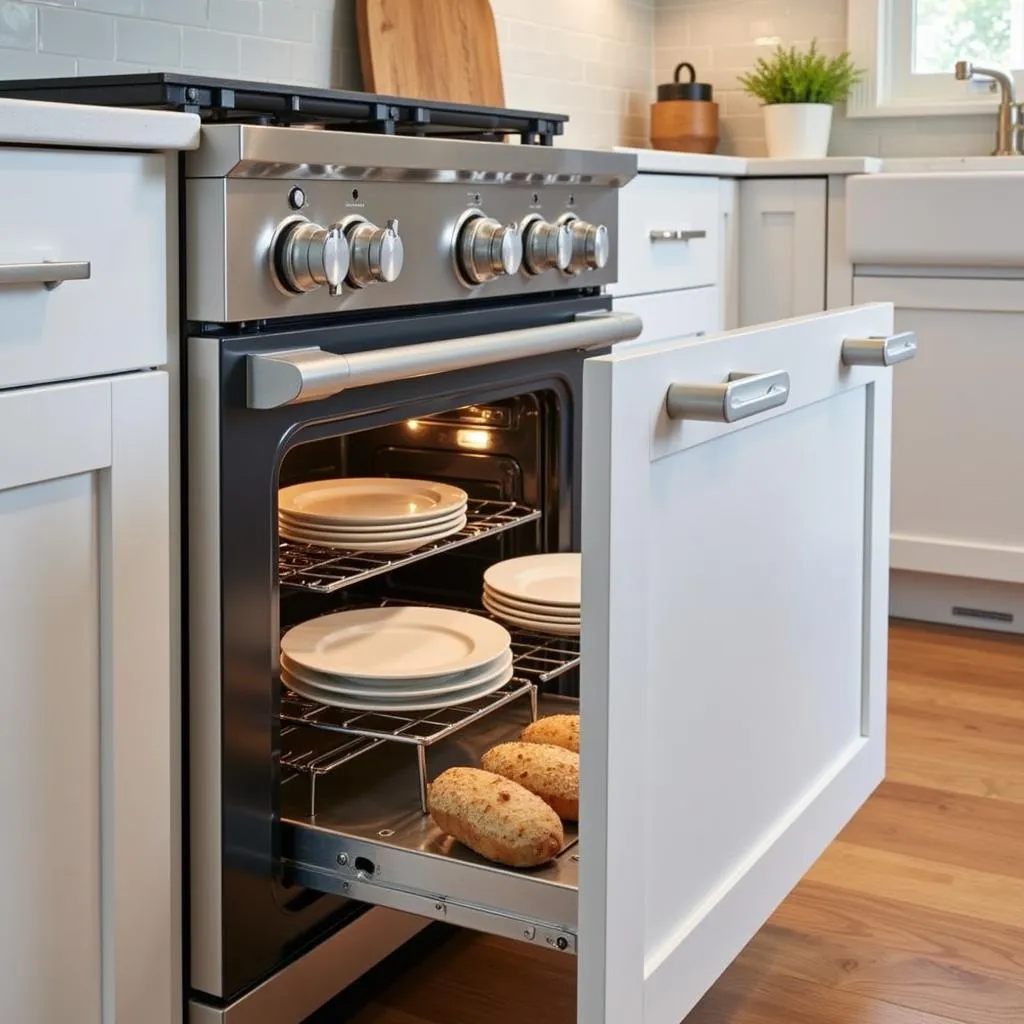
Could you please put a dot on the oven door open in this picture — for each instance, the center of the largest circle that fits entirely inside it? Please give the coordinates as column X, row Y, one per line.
column 735, row 503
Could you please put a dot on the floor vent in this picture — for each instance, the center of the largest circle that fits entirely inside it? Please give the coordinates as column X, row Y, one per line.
column 982, row 613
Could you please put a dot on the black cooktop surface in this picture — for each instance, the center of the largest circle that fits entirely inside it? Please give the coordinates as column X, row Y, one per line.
column 223, row 100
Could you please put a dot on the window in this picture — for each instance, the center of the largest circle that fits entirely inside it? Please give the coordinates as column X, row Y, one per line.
column 909, row 48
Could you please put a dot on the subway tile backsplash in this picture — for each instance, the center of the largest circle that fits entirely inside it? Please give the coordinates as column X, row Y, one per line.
column 592, row 59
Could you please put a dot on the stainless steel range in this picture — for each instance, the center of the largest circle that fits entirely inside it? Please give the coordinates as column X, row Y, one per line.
column 373, row 287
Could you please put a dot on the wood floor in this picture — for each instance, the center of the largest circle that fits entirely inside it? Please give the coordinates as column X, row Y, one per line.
column 914, row 916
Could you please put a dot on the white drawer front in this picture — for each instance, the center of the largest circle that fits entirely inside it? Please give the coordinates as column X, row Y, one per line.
column 683, row 209
column 104, row 209
column 673, row 315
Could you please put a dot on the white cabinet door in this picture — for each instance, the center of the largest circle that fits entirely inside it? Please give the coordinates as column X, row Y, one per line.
column 781, row 248
column 87, row 933
column 689, row 313
column 958, row 466
column 734, row 648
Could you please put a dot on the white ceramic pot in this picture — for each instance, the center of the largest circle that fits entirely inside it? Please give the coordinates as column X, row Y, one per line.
column 798, row 131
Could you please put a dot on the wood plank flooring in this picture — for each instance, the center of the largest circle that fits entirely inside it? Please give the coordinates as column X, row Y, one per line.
column 914, row 916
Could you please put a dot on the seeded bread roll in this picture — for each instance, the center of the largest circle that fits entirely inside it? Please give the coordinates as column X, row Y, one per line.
column 558, row 730
column 551, row 772
column 494, row 817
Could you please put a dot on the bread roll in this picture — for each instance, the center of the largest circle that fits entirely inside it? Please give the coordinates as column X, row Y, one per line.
column 494, row 817
column 558, row 730
column 551, row 772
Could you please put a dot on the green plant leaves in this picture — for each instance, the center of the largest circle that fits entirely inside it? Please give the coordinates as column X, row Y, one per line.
column 811, row 77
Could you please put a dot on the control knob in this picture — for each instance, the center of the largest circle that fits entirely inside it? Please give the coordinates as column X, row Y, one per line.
column 486, row 249
column 376, row 254
column 589, row 244
column 546, row 246
column 307, row 256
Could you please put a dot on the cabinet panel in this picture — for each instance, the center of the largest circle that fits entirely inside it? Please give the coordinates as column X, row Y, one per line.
column 781, row 248
column 673, row 315
column 958, row 468
column 733, row 664
column 90, row 932
column 105, row 209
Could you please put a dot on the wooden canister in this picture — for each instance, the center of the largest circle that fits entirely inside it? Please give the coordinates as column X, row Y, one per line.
column 685, row 117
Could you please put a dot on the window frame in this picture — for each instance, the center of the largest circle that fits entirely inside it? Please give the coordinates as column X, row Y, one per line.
column 880, row 41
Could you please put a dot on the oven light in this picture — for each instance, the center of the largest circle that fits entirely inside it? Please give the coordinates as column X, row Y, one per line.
column 412, row 425
column 478, row 439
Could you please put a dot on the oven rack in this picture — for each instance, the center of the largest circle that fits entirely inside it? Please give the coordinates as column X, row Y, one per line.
column 318, row 739
column 322, row 570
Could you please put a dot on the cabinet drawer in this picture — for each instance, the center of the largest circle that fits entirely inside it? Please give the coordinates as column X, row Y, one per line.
column 683, row 209
column 104, row 210
column 692, row 313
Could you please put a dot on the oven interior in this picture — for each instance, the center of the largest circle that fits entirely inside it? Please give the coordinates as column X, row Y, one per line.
column 363, row 774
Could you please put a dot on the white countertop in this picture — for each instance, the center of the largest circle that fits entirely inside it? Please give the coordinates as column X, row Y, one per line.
column 72, row 124
column 659, row 161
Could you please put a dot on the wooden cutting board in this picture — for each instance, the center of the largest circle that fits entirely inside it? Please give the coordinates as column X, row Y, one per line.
column 431, row 49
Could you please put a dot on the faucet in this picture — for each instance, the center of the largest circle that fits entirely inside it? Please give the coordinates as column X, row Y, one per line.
column 1009, row 126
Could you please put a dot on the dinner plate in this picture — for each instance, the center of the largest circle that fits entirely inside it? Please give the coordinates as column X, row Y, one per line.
column 387, row 688
column 529, row 616
column 375, row 531
column 401, row 642
column 401, row 546
column 370, row 500
column 335, row 699
column 534, row 623
column 546, row 579
column 532, row 608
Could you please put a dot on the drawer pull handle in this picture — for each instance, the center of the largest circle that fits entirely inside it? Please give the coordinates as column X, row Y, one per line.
column 897, row 348
column 48, row 273
column 745, row 394
column 680, row 235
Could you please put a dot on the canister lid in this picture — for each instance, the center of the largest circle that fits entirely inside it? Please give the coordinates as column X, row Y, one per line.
column 691, row 90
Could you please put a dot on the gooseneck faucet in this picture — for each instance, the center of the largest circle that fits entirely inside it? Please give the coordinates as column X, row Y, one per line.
column 1008, row 127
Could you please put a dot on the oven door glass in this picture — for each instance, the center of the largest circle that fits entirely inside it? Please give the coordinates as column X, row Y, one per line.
column 732, row 678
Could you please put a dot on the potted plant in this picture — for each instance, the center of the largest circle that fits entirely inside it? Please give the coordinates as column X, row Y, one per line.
column 798, row 91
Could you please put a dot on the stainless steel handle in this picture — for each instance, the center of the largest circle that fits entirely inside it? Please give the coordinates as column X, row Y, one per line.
column 680, row 235
column 308, row 374
column 897, row 348
column 48, row 273
column 745, row 394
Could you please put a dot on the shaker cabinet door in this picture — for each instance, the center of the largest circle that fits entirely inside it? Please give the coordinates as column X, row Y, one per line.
column 735, row 562
column 87, row 933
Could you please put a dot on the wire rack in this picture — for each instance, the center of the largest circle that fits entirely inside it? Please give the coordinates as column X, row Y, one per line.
column 326, row 570
column 319, row 739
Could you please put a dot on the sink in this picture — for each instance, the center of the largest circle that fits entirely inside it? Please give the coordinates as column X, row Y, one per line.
column 950, row 212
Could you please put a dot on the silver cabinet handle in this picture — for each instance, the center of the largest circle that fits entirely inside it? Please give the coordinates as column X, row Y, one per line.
column 305, row 375
column 897, row 348
column 746, row 394
column 48, row 273
column 680, row 235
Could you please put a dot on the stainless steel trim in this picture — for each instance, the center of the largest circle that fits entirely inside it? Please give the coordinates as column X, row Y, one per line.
column 305, row 375
column 260, row 151
column 897, row 348
column 206, row 898
column 48, row 273
column 745, row 394
column 680, row 235
column 292, row 994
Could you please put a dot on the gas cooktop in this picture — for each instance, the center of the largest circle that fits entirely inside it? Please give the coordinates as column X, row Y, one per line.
column 224, row 100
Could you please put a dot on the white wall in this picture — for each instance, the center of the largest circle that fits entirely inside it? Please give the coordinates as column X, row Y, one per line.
column 591, row 59
column 723, row 38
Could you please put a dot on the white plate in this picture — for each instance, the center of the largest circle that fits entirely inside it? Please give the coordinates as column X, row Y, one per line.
column 370, row 500
column 378, row 531
column 410, row 642
column 388, row 547
column 494, row 605
column 390, row 706
column 544, row 579
column 383, row 689
column 535, row 624
column 532, row 608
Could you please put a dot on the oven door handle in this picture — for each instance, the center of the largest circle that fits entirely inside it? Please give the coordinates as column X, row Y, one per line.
column 308, row 374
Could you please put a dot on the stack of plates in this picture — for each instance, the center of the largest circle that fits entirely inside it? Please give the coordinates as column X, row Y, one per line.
column 382, row 514
column 396, row 659
column 538, row 592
